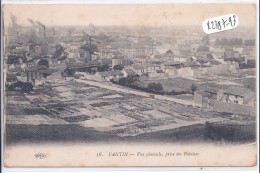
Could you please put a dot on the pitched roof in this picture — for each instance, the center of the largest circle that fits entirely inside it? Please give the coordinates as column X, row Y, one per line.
column 115, row 73
column 203, row 93
column 35, row 68
column 211, row 90
column 106, row 61
column 173, row 63
column 190, row 64
column 235, row 90
column 129, row 71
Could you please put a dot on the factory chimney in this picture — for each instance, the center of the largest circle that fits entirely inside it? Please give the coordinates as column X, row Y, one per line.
column 43, row 27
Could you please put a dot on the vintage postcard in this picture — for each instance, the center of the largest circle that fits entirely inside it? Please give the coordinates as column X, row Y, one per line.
column 130, row 84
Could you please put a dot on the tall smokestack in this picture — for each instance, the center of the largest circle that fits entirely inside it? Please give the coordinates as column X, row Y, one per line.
column 44, row 32
column 43, row 26
column 14, row 19
column 14, row 24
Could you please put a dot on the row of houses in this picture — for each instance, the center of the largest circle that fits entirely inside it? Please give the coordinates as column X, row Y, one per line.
column 37, row 75
column 114, row 75
column 194, row 69
column 234, row 99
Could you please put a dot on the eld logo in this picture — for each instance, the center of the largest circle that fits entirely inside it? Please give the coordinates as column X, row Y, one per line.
column 221, row 23
column 40, row 155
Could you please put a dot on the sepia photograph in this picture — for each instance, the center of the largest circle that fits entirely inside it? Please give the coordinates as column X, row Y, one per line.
column 129, row 84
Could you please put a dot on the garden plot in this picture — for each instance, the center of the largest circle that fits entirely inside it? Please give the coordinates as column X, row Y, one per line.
column 19, row 102
column 97, row 123
column 127, row 106
column 16, row 98
column 131, row 131
column 91, row 113
column 62, row 89
column 112, row 96
column 40, row 98
column 157, row 114
column 120, row 118
column 67, row 94
column 33, row 120
column 32, row 98
column 93, row 94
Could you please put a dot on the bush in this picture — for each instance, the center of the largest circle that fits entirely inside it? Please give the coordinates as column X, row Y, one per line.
column 44, row 62
column 27, row 87
column 193, row 88
column 70, row 72
column 155, row 87
column 118, row 67
column 103, row 68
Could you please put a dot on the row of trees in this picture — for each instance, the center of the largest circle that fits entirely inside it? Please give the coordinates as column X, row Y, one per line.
column 238, row 60
column 154, row 87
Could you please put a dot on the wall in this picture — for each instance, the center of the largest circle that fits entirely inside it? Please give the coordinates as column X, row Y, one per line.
column 197, row 100
column 233, row 108
column 232, row 98
column 218, row 69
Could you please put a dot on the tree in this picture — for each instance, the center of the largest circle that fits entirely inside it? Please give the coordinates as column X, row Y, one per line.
column 169, row 52
column 155, row 87
column 13, row 59
column 193, row 88
column 58, row 52
column 44, row 62
column 202, row 62
column 122, row 81
column 22, row 86
column 129, row 80
column 70, row 72
column 104, row 68
column 118, row 67
column 27, row 87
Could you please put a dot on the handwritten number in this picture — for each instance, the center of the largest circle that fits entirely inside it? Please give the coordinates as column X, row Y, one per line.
column 208, row 25
column 212, row 25
column 219, row 25
column 234, row 16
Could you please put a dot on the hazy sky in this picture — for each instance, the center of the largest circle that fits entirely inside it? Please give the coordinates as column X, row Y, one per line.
column 130, row 14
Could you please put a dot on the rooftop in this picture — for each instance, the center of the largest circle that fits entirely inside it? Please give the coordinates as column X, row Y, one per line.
column 129, row 71
column 238, row 91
